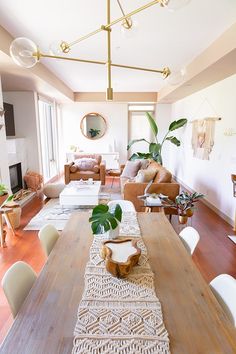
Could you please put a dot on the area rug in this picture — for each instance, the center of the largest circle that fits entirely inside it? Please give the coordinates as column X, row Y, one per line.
column 53, row 213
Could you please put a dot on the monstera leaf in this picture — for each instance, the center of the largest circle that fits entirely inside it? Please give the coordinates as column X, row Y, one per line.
column 103, row 220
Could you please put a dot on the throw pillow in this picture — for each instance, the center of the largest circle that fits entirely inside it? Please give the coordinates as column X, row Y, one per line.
column 144, row 163
column 73, row 168
column 145, row 176
column 86, row 164
column 131, row 169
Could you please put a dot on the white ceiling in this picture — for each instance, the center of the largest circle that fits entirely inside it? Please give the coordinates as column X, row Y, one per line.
column 163, row 38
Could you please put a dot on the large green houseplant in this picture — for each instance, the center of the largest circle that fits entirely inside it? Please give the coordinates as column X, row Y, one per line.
column 155, row 148
column 103, row 219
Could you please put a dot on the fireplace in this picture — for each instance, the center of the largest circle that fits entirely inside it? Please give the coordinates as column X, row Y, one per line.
column 16, row 177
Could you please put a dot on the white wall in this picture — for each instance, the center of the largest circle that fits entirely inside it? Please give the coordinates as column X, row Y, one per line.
column 26, row 123
column 116, row 115
column 4, row 169
column 211, row 177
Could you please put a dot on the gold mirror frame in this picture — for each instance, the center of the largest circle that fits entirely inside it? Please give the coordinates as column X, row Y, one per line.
column 98, row 115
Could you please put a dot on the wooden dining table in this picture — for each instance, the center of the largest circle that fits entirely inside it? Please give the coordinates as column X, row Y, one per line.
column 195, row 321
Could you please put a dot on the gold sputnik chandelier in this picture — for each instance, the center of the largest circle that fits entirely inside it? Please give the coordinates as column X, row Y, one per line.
column 26, row 53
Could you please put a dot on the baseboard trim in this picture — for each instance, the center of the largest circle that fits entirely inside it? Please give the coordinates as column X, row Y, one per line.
column 207, row 203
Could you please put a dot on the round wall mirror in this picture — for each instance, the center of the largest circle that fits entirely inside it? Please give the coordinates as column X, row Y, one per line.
column 93, row 126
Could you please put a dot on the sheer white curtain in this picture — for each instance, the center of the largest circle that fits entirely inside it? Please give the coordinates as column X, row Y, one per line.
column 48, row 138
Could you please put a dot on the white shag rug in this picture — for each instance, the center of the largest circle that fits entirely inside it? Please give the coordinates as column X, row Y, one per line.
column 53, row 213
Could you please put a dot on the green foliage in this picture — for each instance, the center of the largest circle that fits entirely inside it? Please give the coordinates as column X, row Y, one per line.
column 94, row 132
column 152, row 123
column 103, row 220
column 3, row 189
column 9, row 199
column 184, row 201
column 155, row 149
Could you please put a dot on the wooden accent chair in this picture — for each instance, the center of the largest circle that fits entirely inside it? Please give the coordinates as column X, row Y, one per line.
column 76, row 170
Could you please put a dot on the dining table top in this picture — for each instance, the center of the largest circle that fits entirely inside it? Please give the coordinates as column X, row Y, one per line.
column 195, row 321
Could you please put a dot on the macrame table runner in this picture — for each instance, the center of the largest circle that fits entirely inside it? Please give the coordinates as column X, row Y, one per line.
column 120, row 316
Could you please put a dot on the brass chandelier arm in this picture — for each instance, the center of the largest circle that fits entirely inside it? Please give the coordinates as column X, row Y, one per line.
column 42, row 55
column 137, row 68
column 123, row 13
column 134, row 12
column 108, row 25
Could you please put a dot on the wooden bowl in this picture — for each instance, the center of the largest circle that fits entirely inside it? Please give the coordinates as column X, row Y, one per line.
column 120, row 256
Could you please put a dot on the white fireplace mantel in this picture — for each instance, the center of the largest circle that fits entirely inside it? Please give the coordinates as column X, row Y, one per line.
column 17, row 153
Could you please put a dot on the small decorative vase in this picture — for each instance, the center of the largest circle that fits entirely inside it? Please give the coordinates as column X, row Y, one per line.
column 183, row 219
column 112, row 234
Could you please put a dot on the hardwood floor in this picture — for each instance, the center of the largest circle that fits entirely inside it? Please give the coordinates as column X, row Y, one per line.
column 215, row 253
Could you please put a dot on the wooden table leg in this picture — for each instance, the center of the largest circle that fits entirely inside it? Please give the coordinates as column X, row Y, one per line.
column 234, row 228
column 2, row 236
column 8, row 220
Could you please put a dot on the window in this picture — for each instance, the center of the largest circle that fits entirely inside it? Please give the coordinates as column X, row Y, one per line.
column 138, row 127
column 48, row 138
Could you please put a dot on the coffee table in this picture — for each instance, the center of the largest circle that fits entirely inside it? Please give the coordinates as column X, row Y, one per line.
column 80, row 193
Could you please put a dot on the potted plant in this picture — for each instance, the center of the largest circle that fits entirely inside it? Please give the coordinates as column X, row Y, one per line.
column 104, row 220
column 3, row 193
column 155, row 148
column 184, row 203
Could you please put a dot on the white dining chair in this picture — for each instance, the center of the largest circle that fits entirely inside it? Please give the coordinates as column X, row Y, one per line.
column 48, row 236
column 16, row 283
column 190, row 238
column 125, row 205
column 224, row 289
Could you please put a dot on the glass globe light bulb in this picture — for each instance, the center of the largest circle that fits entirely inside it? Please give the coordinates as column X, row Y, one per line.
column 129, row 27
column 176, row 77
column 24, row 52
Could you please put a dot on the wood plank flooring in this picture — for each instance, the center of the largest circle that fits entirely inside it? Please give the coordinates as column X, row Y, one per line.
column 215, row 253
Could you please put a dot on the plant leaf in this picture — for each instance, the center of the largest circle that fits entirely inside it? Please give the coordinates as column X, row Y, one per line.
column 118, row 212
column 103, row 220
column 140, row 155
column 154, row 148
column 176, row 124
column 152, row 123
column 173, row 140
column 135, row 141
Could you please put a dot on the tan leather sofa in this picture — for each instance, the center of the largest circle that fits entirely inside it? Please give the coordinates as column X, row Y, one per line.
column 163, row 183
column 98, row 175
